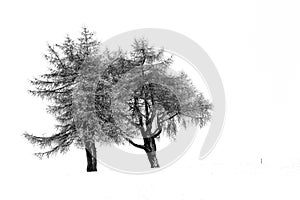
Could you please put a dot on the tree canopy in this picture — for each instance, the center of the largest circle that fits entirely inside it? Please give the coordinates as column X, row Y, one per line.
column 149, row 100
column 114, row 97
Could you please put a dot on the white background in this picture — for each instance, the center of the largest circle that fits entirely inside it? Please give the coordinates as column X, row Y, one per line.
column 255, row 46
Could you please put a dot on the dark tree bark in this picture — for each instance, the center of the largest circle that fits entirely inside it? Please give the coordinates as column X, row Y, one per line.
column 91, row 155
column 150, row 148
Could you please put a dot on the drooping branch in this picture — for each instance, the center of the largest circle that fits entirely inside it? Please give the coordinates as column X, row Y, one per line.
column 157, row 133
column 56, row 90
column 169, row 118
column 136, row 145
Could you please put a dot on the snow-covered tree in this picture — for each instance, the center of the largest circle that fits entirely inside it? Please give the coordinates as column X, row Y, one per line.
column 113, row 97
column 57, row 86
column 149, row 100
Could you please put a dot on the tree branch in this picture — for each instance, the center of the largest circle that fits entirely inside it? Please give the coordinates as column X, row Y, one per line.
column 170, row 117
column 158, row 133
column 153, row 114
column 136, row 145
column 131, row 122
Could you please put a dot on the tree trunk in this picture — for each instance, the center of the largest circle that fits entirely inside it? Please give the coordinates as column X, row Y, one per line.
column 153, row 159
column 91, row 155
column 150, row 148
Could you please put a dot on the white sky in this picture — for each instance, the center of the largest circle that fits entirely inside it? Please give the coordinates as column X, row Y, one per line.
column 255, row 46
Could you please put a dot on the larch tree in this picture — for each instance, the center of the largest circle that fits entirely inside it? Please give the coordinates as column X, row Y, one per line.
column 149, row 101
column 58, row 85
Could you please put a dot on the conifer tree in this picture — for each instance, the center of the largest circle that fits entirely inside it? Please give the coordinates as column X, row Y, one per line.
column 148, row 101
column 57, row 86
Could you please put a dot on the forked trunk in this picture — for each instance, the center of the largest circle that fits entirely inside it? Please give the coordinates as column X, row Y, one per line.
column 150, row 148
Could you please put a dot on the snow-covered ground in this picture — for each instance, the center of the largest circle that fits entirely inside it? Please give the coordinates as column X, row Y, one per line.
column 255, row 47
column 216, row 177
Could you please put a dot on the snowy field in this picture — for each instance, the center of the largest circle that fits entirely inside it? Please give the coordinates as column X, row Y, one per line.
column 255, row 47
column 214, row 178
